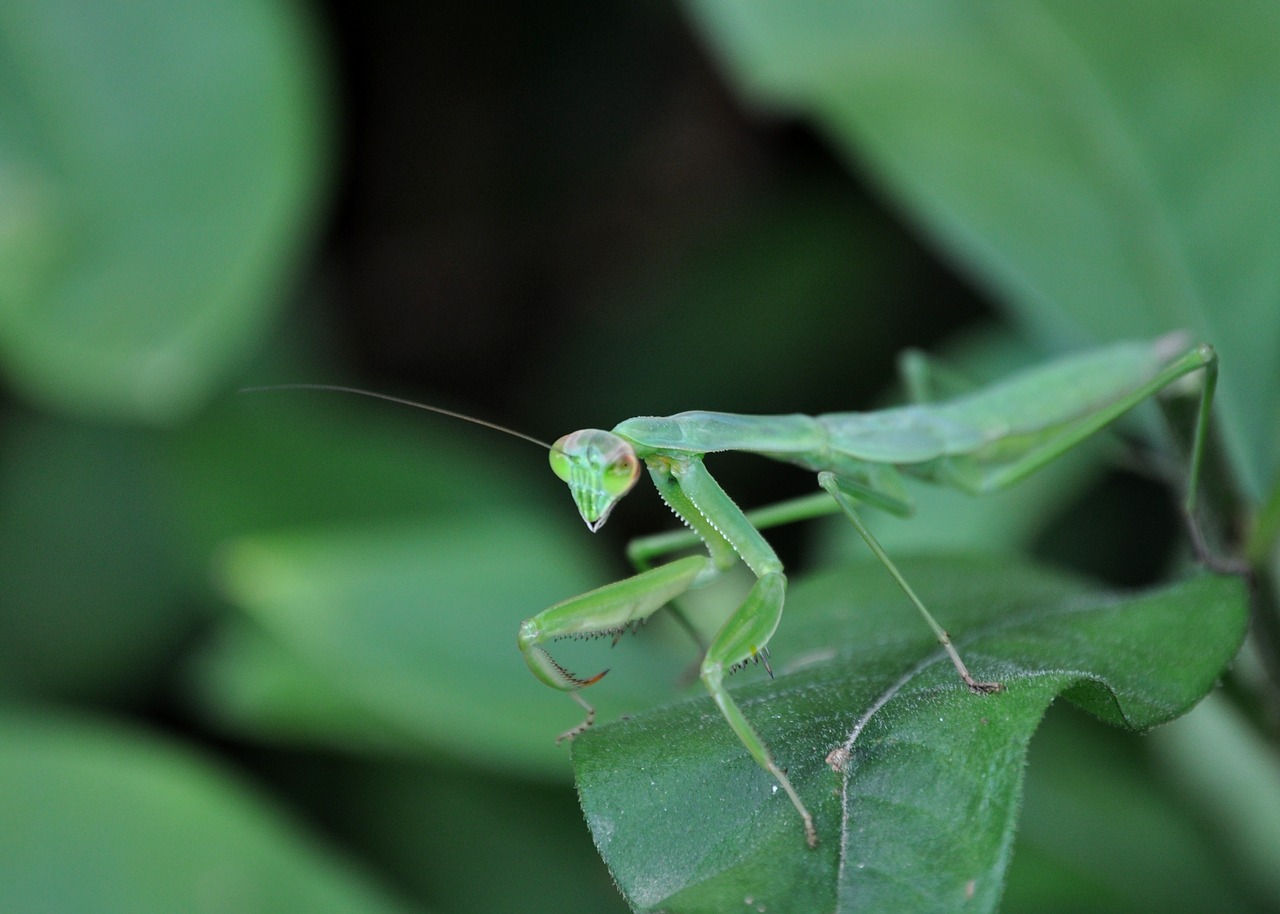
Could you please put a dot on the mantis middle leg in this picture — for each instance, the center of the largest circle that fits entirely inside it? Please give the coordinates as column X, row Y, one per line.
column 847, row 499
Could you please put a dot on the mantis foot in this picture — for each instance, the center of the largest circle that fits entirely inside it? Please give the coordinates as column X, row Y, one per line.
column 983, row 688
column 1218, row 564
column 978, row 688
column 585, row 725
column 810, row 833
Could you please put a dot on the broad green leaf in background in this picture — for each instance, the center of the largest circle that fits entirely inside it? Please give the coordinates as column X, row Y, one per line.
column 1108, row 169
column 160, row 163
column 91, row 570
column 1097, row 831
column 383, row 561
column 493, row 843
column 921, row 815
column 1232, row 776
column 107, row 820
column 256, row 687
column 291, row 459
column 415, row 623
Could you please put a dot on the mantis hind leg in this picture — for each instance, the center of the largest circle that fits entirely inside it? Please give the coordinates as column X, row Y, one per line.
column 847, row 501
column 928, row 380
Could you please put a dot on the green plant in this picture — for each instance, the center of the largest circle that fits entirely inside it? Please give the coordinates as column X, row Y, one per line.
column 258, row 653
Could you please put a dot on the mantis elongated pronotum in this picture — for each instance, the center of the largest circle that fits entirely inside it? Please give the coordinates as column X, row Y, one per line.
column 979, row 442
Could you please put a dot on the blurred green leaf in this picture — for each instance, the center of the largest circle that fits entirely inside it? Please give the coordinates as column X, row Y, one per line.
column 257, row 687
column 99, row 820
column 159, row 164
column 1109, row 170
column 922, row 816
column 91, row 572
column 291, row 459
column 416, row 624
column 407, row 812
column 1101, row 831
column 1233, row 778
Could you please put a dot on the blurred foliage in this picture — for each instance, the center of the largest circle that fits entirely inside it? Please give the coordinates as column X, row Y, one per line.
column 159, row 162
column 1032, row 141
column 257, row 652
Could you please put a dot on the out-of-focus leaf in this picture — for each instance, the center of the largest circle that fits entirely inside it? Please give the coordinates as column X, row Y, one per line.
column 417, row 624
column 410, row 811
column 103, row 821
column 255, row 686
column 1234, row 780
column 920, row 816
column 90, row 605
column 1098, row 831
column 290, row 459
column 159, row 164
column 1109, row 170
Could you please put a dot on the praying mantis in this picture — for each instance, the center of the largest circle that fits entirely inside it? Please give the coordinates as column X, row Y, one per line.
column 979, row 442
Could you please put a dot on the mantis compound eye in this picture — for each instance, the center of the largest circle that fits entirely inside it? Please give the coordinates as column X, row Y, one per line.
column 621, row 475
column 561, row 462
column 600, row 467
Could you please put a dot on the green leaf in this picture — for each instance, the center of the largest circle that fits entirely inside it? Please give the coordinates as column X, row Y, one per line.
column 286, row 459
column 100, row 820
column 160, row 164
column 414, row 624
column 91, row 574
column 1104, row 188
column 1233, row 777
column 256, row 686
column 921, row 815
column 495, row 844
column 1103, row 829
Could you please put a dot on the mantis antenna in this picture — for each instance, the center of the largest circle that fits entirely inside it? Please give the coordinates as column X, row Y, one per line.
column 403, row 402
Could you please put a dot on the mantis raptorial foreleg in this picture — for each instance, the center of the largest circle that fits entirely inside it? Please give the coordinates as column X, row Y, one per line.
column 699, row 500
column 611, row 609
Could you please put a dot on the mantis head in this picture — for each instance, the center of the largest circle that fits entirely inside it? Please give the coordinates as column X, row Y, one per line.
column 600, row 468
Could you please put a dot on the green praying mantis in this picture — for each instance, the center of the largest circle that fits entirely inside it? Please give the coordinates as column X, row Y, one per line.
column 978, row 442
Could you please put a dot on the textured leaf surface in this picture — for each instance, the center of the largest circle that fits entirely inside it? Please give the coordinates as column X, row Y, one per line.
column 921, row 815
